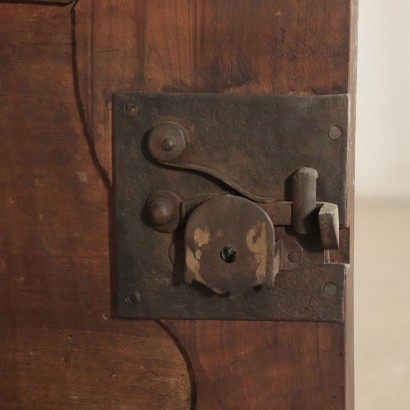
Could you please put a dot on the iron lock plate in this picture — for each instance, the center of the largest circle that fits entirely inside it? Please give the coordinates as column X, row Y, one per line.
column 246, row 146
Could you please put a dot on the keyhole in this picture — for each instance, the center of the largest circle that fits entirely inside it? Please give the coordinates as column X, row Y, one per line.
column 228, row 254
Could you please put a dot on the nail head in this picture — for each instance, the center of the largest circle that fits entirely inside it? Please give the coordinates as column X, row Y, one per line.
column 335, row 132
column 330, row 289
column 132, row 110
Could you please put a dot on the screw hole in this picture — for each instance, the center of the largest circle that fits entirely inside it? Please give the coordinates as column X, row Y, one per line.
column 228, row 254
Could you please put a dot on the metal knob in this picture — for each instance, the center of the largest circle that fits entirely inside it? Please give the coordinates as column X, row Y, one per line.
column 167, row 141
column 163, row 210
column 230, row 246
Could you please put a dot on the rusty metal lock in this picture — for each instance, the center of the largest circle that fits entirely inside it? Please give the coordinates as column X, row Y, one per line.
column 220, row 210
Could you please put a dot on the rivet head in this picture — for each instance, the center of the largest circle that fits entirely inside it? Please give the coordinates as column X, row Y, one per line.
column 168, row 144
column 135, row 297
column 293, row 257
column 161, row 211
column 132, row 110
column 330, row 289
column 167, row 141
column 335, row 132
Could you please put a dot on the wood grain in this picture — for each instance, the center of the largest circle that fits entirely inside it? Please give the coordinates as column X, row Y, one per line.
column 49, row 2
column 265, row 365
column 66, row 369
column 61, row 345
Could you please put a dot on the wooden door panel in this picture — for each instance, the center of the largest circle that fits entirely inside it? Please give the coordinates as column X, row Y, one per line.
column 59, row 68
column 60, row 344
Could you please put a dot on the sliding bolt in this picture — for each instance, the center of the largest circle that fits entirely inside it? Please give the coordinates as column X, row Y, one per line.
column 304, row 200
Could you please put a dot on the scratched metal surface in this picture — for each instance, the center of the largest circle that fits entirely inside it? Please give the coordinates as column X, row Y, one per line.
column 149, row 284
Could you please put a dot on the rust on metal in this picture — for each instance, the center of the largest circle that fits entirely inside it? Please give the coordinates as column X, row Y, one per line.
column 252, row 143
column 205, row 206
column 230, row 245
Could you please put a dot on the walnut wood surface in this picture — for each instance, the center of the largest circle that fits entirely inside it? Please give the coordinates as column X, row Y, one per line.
column 60, row 345
column 265, row 365
column 56, row 262
column 49, row 2
column 66, row 369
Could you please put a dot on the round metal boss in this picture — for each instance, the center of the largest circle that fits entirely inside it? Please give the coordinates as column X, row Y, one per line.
column 162, row 209
column 167, row 141
column 229, row 245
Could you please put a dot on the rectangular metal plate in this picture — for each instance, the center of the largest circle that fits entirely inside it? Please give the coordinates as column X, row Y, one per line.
column 294, row 131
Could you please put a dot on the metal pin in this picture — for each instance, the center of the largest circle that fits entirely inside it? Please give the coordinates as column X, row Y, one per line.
column 304, row 200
